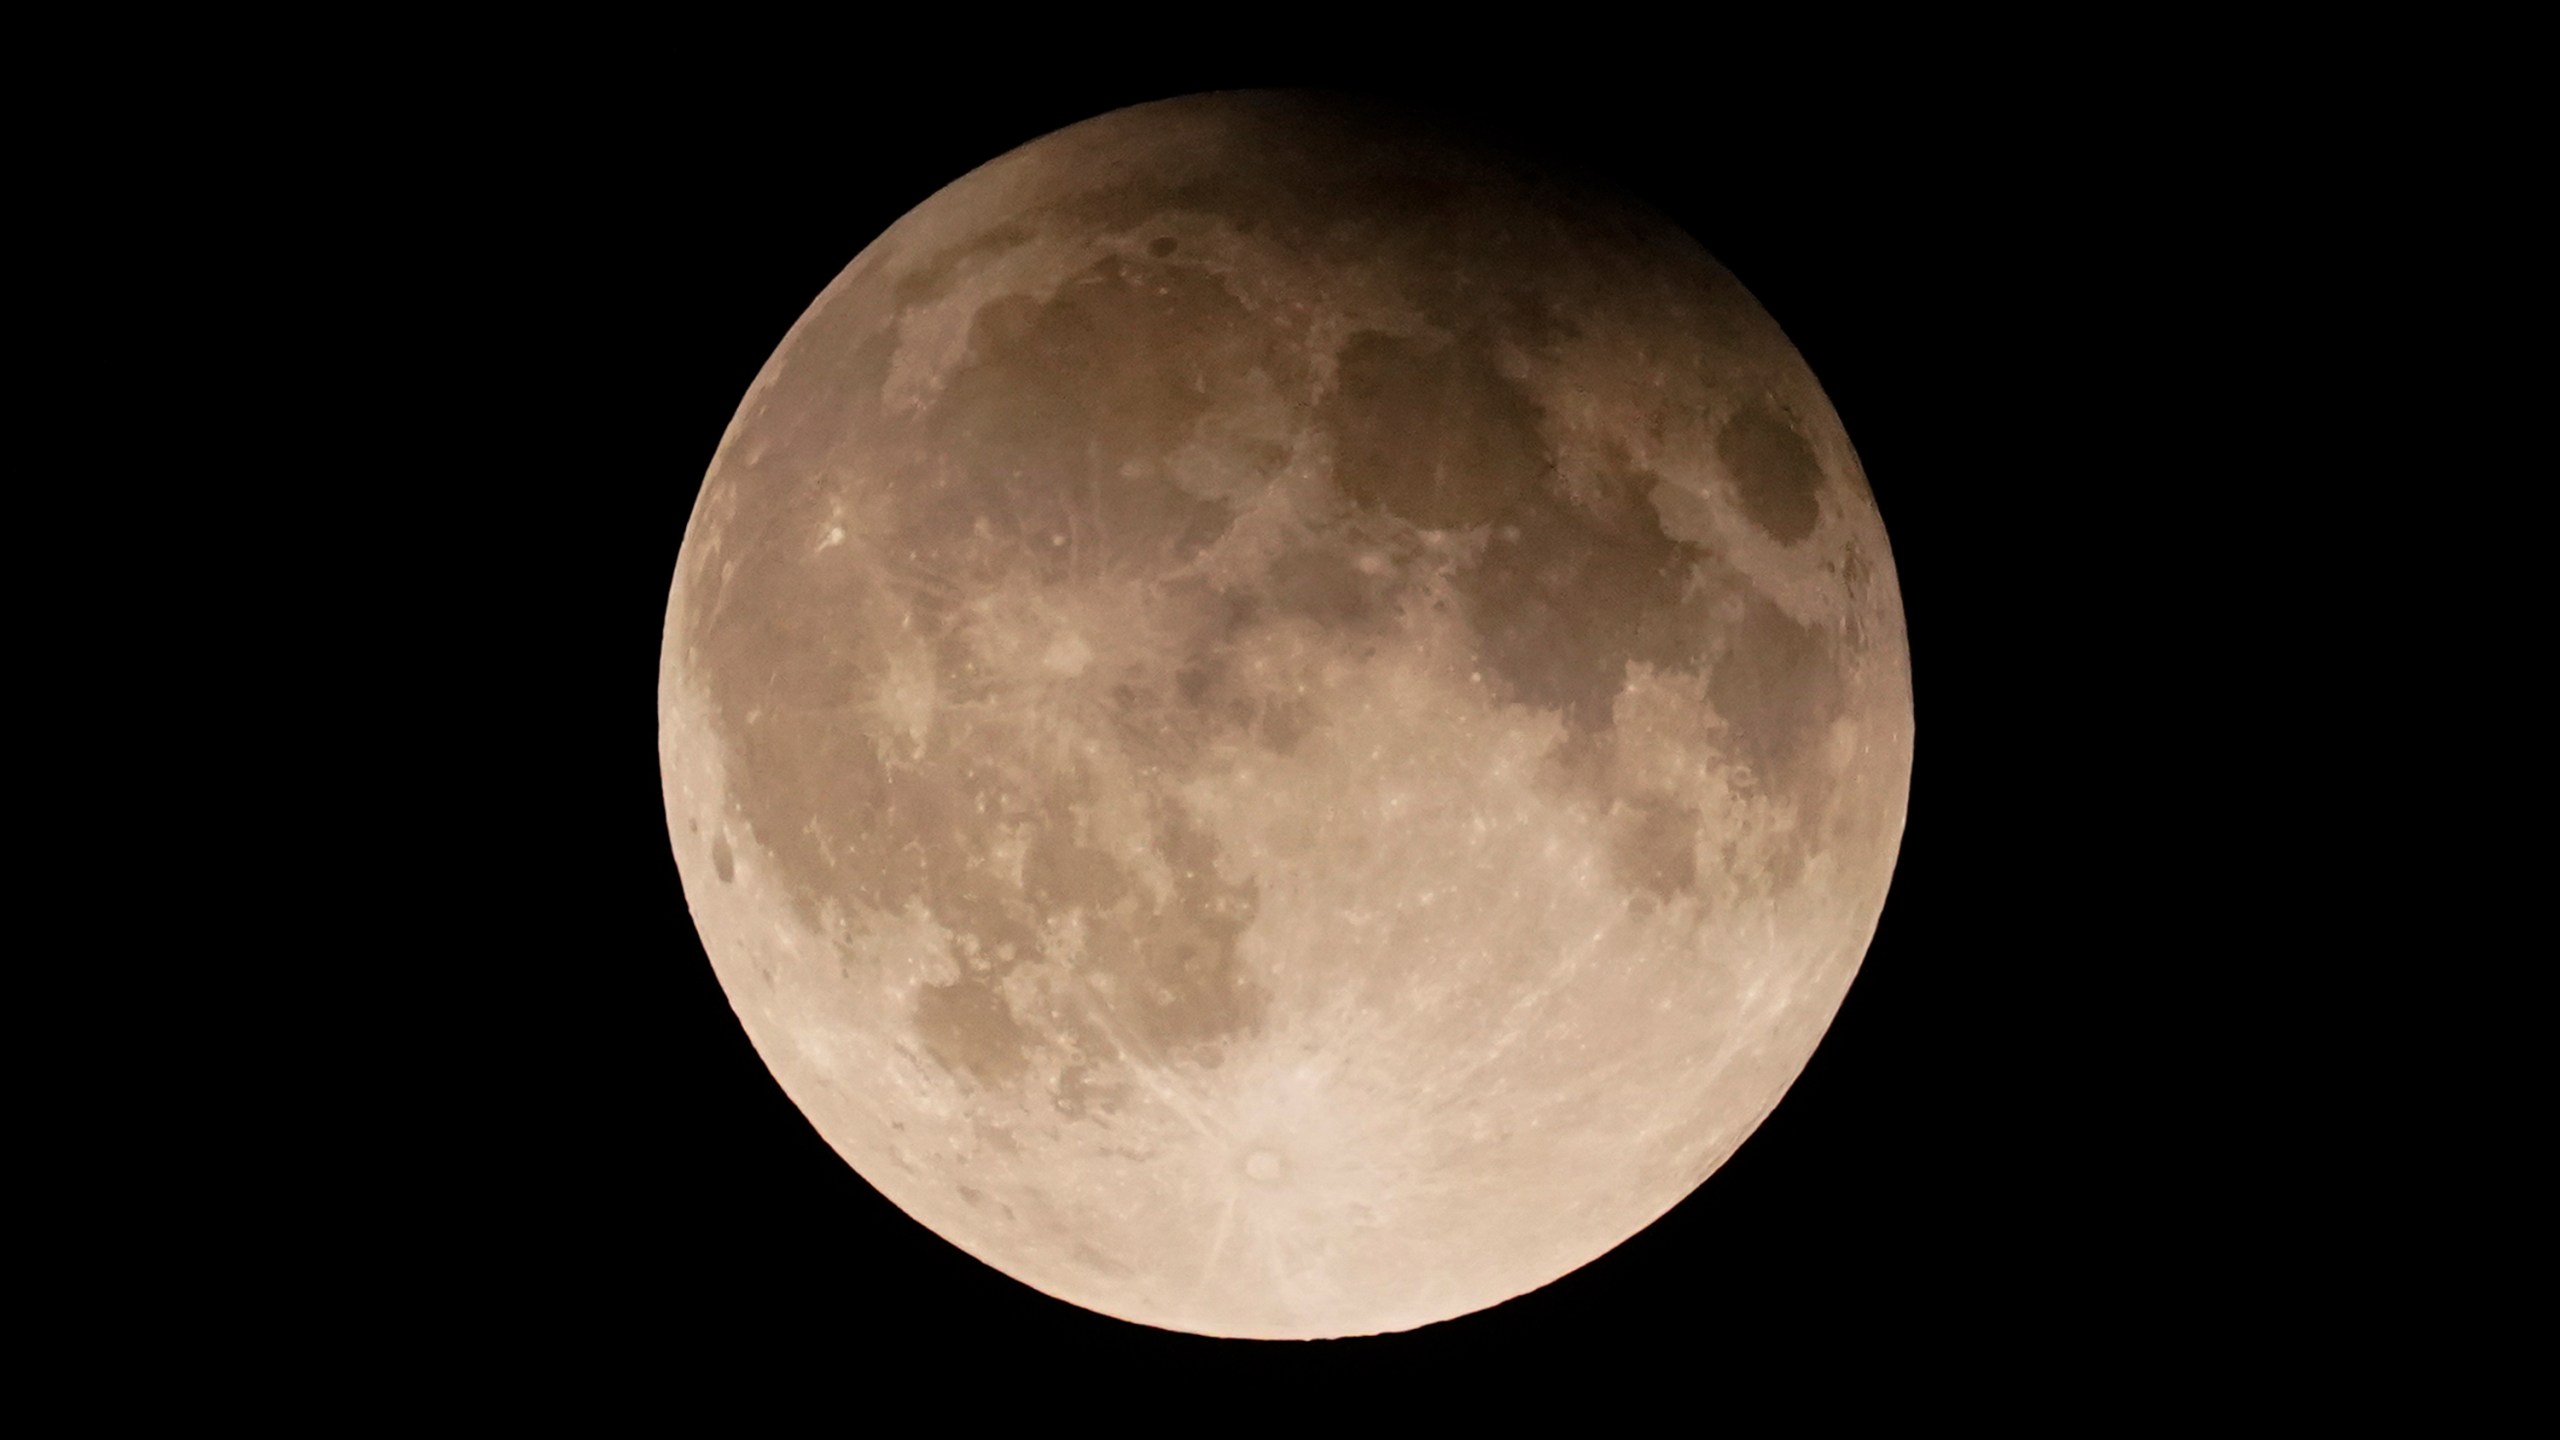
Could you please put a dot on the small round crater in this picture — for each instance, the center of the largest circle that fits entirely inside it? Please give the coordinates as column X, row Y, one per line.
column 1262, row 1165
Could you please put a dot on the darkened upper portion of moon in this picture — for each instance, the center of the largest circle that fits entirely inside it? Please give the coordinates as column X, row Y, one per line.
column 1085, row 371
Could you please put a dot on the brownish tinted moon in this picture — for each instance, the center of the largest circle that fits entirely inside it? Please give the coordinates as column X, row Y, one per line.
column 1282, row 727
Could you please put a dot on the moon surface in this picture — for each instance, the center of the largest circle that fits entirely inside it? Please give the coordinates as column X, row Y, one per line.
column 1280, row 725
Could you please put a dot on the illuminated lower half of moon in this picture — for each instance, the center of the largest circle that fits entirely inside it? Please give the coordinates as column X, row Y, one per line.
column 1274, row 759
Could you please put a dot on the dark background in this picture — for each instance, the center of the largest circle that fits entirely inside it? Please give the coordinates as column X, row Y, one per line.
column 1971, row 263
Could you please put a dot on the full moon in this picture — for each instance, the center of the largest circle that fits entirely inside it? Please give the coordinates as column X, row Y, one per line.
column 1280, row 724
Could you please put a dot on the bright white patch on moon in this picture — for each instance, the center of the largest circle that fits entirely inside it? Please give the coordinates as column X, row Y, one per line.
column 1280, row 727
